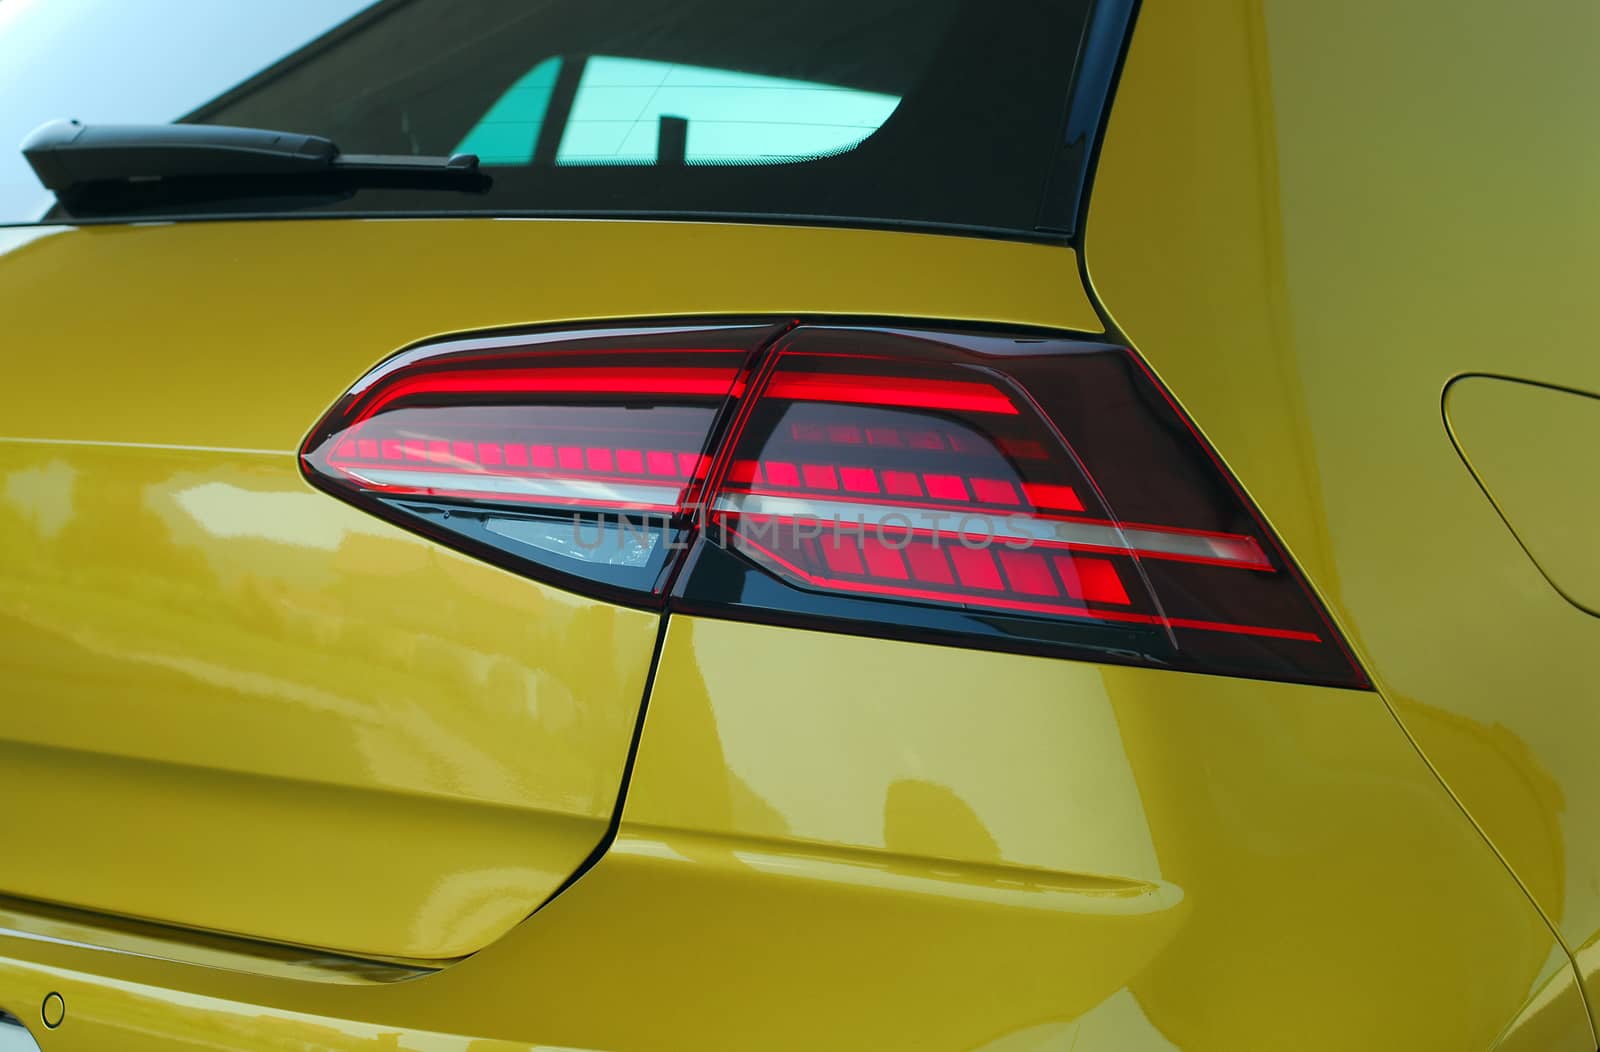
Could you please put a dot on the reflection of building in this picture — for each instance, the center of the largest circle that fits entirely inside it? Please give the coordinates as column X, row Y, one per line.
column 536, row 88
column 733, row 118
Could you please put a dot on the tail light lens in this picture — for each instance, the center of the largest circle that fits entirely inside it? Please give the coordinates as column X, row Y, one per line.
column 1010, row 491
column 569, row 454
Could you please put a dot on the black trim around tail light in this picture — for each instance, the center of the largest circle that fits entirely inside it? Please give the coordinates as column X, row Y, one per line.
column 1015, row 491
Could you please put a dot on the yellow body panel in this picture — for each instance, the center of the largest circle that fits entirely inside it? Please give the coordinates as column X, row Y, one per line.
column 237, row 704
column 1524, row 444
column 240, row 705
column 1126, row 882
column 1298, row 219
column 254, row 328
column 1228, row 912
column 831, row 841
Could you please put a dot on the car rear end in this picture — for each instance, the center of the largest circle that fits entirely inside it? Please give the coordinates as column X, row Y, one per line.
column 728, row 581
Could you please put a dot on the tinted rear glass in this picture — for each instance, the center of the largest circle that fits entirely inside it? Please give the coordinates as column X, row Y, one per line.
column 944, row 113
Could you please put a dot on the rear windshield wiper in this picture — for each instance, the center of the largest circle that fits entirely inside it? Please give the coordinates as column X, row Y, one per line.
column 139, row 167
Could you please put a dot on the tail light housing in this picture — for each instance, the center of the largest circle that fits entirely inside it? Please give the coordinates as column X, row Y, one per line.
column 568, row 455
column 1015, row 491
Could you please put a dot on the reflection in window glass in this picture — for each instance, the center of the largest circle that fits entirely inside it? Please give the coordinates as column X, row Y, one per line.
column 508, row 133
column 734, row 118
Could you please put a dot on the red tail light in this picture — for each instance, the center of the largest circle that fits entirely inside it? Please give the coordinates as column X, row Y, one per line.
column 1008, row 491
column 569, row 454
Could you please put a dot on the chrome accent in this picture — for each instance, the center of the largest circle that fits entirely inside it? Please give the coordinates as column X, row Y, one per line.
column 1014, row 529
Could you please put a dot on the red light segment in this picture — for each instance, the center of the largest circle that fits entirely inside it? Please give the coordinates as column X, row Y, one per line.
column 883, row 560
column 925, row 555
column 781, row 473
column 929, row 564
column 894, row 483
column 1052, row 498
column 948, row 395
column 819, row 476
column 1094, row 580
column 555, row 380
column 975, row 568
column 842, row 556
column 859, row 480
column 902, row 484
column 854, row 545
column 1028, row 573
column 993, row 491
column 945, row 487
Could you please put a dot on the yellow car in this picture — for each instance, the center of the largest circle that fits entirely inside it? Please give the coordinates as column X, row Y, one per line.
column 607, row 526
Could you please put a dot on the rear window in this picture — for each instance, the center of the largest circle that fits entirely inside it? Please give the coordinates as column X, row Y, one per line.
column 939, row 113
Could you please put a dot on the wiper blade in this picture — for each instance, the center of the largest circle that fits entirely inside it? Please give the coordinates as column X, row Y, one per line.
column 113, row 166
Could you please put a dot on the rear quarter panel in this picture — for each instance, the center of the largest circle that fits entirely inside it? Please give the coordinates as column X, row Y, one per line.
column 854, row 843
column 1311, row 218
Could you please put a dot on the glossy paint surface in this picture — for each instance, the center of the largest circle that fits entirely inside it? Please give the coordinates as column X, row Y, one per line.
column 239, row 705
column 1163, row 896
column 901, row 846
column 1524, row 444
column 235, row 704
column 1308, row 256
column 838, row 842
column 248, row 331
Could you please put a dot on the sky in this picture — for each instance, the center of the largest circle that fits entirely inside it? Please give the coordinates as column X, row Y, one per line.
column 131, row 61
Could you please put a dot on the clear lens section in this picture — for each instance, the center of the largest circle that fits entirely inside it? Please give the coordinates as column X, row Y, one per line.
column 601, row 542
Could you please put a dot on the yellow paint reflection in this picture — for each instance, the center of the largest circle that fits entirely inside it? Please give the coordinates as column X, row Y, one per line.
column 165, row 611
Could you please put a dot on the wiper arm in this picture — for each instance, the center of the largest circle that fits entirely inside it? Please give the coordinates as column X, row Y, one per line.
column 161, row 163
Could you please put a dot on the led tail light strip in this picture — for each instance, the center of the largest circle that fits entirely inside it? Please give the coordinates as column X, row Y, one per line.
column 1011, row 529
column 1012, row 491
